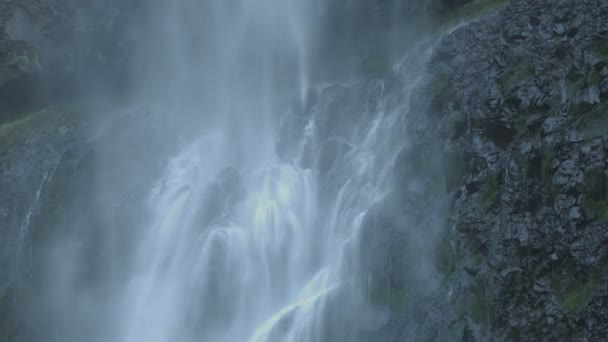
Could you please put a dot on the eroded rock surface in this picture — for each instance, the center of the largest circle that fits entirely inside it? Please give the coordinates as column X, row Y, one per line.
column 522, row 97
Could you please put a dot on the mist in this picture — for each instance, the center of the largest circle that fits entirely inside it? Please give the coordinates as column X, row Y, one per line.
column 246, row 176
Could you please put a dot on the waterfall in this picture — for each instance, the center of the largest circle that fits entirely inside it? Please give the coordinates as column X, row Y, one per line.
column 259, row 223
column 280, row 238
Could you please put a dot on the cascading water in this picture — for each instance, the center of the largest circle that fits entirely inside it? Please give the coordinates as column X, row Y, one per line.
column 254, row 230
column 261, row 262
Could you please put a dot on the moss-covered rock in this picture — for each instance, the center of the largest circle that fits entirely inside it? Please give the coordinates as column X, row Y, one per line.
column 409, row 161
column 529, row 72
column 440, row 82
column 13, row 132
column 547, row 155
column 595, row 201
column 596, row 183
column 488, row 195
column 595, row 209
column 581, row 81
column 475, row 301
column 482, row 301
column 30, row 126
column 384, row 260
column 466, row 11
column 519, row 70
column 446, row 259
column 600, row 46
column 17, row 59
column 453, row 125
column 454, row 168
column 575, row 295
column 594, row 123
column 578, row 85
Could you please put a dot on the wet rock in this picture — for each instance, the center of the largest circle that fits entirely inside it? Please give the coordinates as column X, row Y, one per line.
column 567, row 176
column 221, row 197
column 575, row 214
column 453, row 125
column 559, row 29
column 499, row 133
column 539, row 199
column 47, row 47
column 383, row 259
column 524, row 236
column 588, row 97
column 603, row 87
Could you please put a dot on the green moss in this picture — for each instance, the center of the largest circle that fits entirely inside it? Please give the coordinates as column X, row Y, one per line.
column 422, row 159
column 473, row 259
column 27, row 59
column 518, row 70
column 392, row 298
column 596, row 184
column 600, row 209
column 36, row 123
column 454, row 168
column 477, row 301
column 22, row 59
column 472, row 11
column 574, row 292
column 577, row 297
column 593, row 78
column 583, row 81
column 446, row 259
column 488, row 195
column 440, row 82
column 13, row 131
column 65, row 182
column 388, row 291
column 520, row 161
column 577, row 86
column 594, row 123
column 523, row 168
column 595, row 201
column 521, row 122
column 547, row 156
column 481, row 304
column 600, row 47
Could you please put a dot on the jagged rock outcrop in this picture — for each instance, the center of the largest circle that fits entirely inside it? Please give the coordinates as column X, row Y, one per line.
column 523, row 96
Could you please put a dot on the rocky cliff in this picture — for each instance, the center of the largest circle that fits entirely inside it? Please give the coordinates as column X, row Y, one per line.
column 521, row 98
column 53, row 51
column 510, row 116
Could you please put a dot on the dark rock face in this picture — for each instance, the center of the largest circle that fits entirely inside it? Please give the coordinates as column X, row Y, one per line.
column 62, row 179
column 48, row 49
column 530, row 219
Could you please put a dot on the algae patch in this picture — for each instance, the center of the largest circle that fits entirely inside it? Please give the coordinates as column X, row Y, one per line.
column 575, row 298
column 472, row 11
column 488, row 195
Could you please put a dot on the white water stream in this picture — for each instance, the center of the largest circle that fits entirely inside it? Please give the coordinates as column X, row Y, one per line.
column 236, row 242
